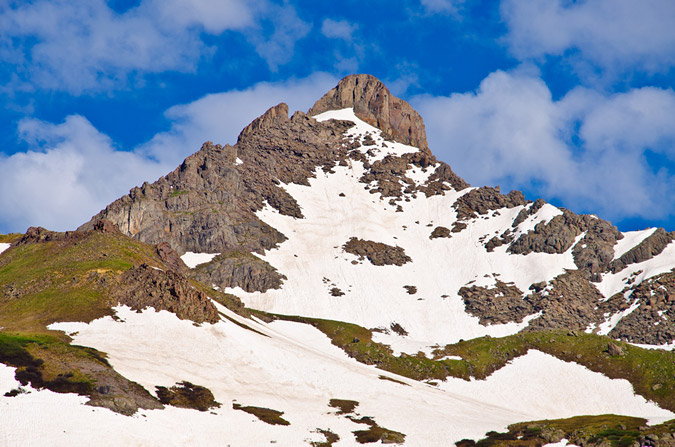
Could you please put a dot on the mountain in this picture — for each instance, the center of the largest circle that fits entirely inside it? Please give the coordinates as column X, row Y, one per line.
column 328, row 281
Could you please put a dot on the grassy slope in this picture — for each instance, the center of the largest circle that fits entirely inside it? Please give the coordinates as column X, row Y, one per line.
column 603, row 430
column 651, row 372
column 64, row 280
column 71, row 280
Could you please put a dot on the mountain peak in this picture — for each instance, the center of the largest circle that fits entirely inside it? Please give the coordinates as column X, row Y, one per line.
column 373, row 103
column 273, row 115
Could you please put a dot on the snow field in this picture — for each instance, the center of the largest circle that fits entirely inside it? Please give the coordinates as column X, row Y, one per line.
column 295, row 369
column 4, row 246
column 374, row 297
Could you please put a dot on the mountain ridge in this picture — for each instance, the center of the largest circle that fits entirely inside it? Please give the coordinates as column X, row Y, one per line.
column 327, row 280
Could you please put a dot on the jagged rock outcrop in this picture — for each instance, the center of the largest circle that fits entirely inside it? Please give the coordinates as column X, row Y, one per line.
column 481, row 200
column 592, row 254
column 652, row 321
column 145, row 286
column 374, row 104
column 569, row 302
column 208, row 203
column 493, row 305
column 440, row 231
column 239, row 269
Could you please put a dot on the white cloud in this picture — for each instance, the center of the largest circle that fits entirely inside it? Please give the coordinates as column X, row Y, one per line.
column 586, row 149
column 219, row 117
column 83, row 45
column 72, row 170
column 277, row 46
column 612, row 34
column 338, row 29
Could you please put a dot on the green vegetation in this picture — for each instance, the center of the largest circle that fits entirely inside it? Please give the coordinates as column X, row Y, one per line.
column 605, row 430
column 375, row 433
column 9, row 238
column 272, row 417
column 178, row 193
column 65, row 279
column 46, row 362
column 651, row 372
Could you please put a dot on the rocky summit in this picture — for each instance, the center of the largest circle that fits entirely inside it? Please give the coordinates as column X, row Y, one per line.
column 327, row 281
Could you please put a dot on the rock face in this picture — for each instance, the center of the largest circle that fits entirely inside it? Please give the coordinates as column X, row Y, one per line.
column 652, row 321
column 209, row 205
column 648, row 248
column 374, row 104
column 144, row 286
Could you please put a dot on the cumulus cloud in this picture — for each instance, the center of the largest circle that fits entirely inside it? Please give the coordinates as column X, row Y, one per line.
column 219, row 117
column 83, row 45
column 589, row 150
column 612, row 34
column 72, row 170
column 338, row 29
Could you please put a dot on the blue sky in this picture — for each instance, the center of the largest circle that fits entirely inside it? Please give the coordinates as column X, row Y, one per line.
column 567, row 100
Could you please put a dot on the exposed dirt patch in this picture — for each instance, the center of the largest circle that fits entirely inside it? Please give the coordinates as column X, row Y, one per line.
column 344, row 406
column 410, row 289
column 187, row 395
column 439, row 232
column 389, row 379
column 267, row 415
column 335, row 291
column 375, row 433
column 376, row 252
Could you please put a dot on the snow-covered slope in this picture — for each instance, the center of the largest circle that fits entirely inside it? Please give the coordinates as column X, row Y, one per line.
column 292, row 367
column 337, row 207
column 4, row 246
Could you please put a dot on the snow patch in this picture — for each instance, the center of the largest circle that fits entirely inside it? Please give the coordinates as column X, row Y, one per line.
column 192, row 260
column 380, row 149
column 630, row 240
column 611, row 322
column 613, row 283
column 4, row 246
column 543, row 216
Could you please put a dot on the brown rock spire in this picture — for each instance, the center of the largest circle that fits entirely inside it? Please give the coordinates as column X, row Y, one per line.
column 374, row 104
